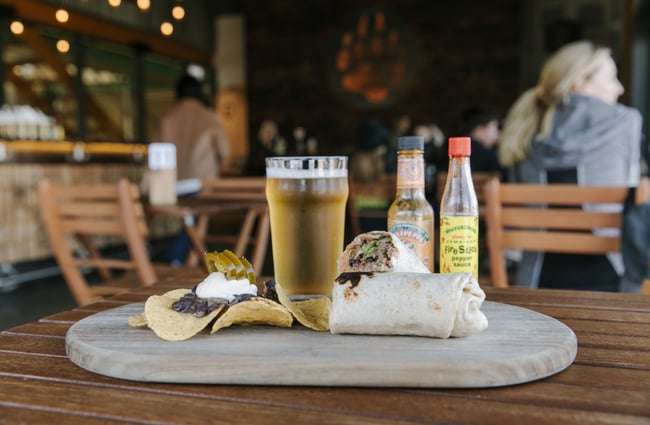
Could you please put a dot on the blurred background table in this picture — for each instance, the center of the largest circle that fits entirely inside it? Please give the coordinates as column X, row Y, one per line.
column 609, row 381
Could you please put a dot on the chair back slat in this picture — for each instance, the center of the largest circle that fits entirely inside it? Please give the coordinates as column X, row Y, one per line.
column 573, row 219
column 561, row 242
column 89, row 226
column 561, row 194
column 105, row 262
column 233, row 188
column 91, row 208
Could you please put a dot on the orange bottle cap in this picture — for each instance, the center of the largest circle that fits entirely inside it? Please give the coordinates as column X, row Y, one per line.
column 460, row 146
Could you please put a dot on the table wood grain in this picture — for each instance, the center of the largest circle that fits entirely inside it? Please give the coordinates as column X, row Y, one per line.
column 609, row 382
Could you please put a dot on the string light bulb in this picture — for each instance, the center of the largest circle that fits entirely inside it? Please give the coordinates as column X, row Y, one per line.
column 16, row 27
column 63, row 46
column 166, row 28
column 115, row 3
column 144, row 4
column 178, row 12
column 62, row 16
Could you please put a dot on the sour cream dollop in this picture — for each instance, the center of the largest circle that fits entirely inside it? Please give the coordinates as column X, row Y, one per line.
column 215, row 285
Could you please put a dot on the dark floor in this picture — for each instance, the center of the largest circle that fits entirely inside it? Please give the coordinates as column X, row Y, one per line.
column 34, row 300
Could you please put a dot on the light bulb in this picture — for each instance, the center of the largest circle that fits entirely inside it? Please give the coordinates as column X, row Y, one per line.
column 17, row 27
column 144, row 4
column 62, row 16
column 178, row 12
column 166, row 28
column 115, row 3
column 63, row 46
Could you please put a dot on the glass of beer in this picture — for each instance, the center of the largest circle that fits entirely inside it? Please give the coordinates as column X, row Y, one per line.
column 307, row 198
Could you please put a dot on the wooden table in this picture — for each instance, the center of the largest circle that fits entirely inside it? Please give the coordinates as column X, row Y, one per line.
column 195, row 214
column 609, row 383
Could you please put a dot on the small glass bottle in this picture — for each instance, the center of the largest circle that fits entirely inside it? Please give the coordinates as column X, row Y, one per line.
column 410, row 216
column 459, row 213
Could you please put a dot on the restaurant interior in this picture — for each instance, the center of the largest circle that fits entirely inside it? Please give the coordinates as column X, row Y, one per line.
column 86, row 87
column 285, row 61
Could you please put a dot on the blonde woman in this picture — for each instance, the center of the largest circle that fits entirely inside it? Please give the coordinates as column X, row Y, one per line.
column 570, row 129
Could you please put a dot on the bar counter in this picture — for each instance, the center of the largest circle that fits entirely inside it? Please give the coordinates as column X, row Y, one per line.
column 609, row 382
column 24, row 162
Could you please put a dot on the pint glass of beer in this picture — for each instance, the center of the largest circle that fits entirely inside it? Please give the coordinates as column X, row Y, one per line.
column 307, row 198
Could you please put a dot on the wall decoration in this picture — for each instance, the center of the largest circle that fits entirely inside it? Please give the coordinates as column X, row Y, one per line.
column 372, row 59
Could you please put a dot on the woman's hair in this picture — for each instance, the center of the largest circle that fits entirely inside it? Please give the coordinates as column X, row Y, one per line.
column 531, row 116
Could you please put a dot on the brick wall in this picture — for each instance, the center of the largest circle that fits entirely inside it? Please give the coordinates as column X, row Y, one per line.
column 468, row 54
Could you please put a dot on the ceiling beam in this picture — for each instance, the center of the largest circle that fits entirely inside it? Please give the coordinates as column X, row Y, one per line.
column 43, row 13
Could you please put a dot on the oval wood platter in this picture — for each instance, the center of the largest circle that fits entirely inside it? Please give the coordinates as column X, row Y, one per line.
column 519, row 346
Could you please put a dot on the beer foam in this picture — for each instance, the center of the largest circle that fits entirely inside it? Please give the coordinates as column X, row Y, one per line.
column 283, row 173
column 306, row 167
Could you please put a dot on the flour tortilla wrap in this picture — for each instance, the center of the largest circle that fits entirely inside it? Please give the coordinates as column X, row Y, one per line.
column 379, row 251
column 424, row 304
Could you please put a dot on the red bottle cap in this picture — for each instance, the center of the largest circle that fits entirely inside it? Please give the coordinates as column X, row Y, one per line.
column 460, row 146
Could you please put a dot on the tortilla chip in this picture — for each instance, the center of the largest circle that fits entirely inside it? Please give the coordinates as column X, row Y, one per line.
column 313, row 313
column 256, row 311
column 176, row 294
column 171, row 325
column 138, row 321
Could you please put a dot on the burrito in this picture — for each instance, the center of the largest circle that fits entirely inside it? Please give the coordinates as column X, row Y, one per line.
column 379, row 251
column 424, row 304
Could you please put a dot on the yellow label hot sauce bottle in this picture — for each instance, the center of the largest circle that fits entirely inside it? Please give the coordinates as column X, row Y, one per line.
column 459, row 213
column 410, row 216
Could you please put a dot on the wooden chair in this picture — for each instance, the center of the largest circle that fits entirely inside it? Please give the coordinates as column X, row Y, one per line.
column 553, row 226
column 250, row 194
column 370, row 200
column 84, row 212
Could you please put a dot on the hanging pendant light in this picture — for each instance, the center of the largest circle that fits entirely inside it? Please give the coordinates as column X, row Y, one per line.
column 166, row 28
column 63, row 46
column 144, row 4
column 178, row 12
column 62, row 16
column 16, row 27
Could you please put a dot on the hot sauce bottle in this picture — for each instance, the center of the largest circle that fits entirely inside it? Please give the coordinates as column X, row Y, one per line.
column 410, row 216
column 459, row 213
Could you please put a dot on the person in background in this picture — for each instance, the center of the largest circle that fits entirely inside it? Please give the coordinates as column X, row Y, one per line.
column 570, row 128
column 483, row 128
column 434, row 143
column 299, row 140
column 202, row 146
column 268, row 143
column 303, row 143
column 367, row 164
column 401, row 127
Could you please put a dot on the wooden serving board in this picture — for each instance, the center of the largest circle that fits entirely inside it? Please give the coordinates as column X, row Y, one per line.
column 519, row 345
